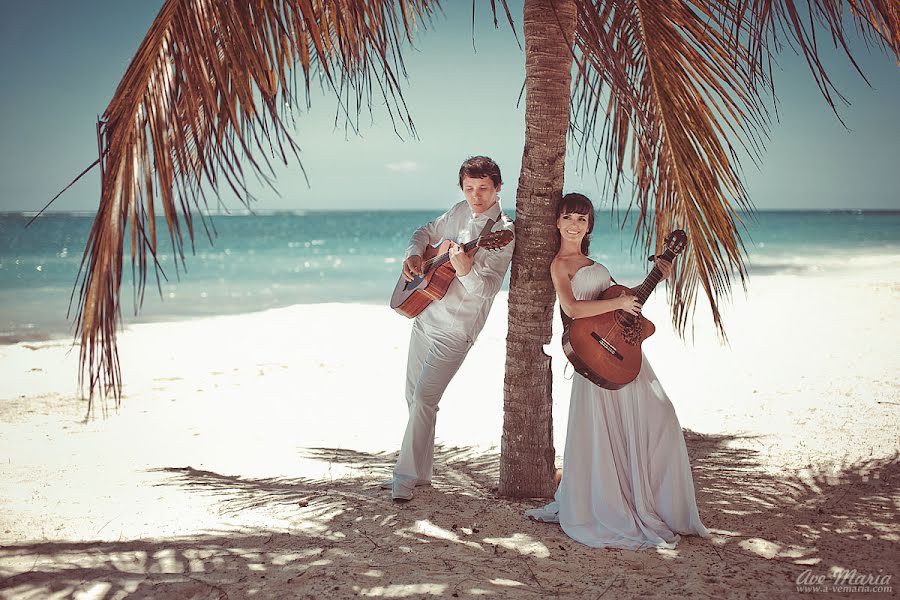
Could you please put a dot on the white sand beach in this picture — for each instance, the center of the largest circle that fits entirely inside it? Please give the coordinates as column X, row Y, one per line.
column 245, row 458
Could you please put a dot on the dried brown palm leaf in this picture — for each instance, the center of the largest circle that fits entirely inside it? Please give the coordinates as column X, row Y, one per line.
column 667, row 89
column 776, row 22
column 661, row 92
column 202, row 102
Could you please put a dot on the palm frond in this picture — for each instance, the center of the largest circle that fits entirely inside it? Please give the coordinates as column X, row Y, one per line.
column 669, row 90
column 203, row 101
column 672, row 95
column 773, row 23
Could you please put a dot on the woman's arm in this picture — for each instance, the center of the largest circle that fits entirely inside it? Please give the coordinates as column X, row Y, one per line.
column 578, row 309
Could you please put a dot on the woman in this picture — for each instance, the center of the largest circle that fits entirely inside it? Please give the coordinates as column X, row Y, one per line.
column 627, row 480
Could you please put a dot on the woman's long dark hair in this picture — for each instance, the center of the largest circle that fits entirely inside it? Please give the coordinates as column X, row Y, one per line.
column 579, row 204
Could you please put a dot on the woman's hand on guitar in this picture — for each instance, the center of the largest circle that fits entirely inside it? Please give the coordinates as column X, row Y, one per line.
column 630, row 304
column 412, row 267
column 665, row 268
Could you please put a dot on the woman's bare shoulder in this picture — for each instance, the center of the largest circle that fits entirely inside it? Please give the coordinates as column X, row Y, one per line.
column 569, row 265
column 561, row 265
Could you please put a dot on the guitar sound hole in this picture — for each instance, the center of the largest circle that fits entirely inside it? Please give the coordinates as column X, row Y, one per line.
column 624, row 320
column 413, row 284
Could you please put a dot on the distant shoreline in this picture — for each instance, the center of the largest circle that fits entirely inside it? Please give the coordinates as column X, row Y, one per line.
column 878, row 271
column 277, row 259
column 243, row 212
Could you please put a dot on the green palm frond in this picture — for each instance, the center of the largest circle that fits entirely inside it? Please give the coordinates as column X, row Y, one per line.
column 202, row 103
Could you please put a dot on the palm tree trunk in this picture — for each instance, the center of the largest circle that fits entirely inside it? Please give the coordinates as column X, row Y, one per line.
column 527, row 453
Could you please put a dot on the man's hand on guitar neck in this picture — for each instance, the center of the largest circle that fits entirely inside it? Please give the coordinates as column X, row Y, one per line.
column 461, row 261
column 412, row 267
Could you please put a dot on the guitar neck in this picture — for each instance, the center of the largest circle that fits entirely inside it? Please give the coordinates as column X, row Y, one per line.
column 644, row 290
column 440, row 259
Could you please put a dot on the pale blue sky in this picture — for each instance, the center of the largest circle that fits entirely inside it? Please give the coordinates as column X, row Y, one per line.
column 60, row 63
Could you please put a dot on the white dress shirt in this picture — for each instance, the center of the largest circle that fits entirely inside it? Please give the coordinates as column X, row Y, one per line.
column 462, row 312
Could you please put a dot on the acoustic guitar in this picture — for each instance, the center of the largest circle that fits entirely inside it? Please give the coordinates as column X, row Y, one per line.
column 411, row 297
column 606, row 349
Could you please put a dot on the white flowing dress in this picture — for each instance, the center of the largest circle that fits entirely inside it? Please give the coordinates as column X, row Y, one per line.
column 626, row 476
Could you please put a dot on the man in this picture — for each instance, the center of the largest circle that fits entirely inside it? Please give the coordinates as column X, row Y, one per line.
column 443, row 333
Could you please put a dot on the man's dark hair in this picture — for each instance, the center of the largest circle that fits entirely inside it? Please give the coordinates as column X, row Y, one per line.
column 479, row 167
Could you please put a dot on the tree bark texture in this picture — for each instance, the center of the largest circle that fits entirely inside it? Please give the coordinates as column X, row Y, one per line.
column 527, row 452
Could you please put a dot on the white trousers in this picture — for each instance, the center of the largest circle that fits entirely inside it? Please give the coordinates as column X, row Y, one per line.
column 433, row 360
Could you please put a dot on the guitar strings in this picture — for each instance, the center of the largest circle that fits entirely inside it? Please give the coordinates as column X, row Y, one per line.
column 441, row 257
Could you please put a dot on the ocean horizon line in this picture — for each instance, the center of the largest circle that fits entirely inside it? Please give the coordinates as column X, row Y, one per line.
column 243, row 212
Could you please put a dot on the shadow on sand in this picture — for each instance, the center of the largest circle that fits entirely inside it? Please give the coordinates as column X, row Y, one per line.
column 345, row 537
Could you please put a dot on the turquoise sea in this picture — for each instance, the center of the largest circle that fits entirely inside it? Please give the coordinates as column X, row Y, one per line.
column 260, row 261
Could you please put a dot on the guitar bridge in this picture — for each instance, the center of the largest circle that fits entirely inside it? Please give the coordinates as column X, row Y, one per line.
column 607, row 346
